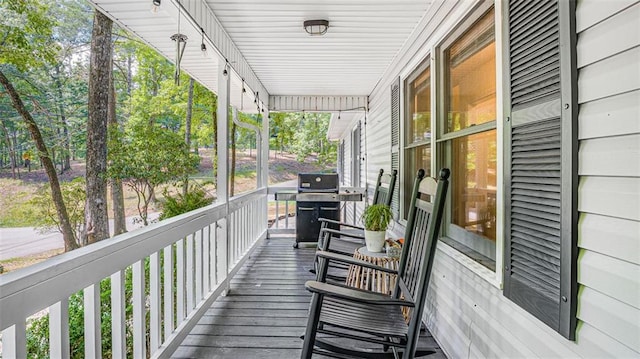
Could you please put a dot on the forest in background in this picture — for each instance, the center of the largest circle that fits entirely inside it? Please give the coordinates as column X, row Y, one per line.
column 56, row 99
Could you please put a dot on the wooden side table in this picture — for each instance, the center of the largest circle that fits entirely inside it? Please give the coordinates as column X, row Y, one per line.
column 370, row 279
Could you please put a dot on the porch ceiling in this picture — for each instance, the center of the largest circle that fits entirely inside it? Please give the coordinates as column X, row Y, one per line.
column 363, row 38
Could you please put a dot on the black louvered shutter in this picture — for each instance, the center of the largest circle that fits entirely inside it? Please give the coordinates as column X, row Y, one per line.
column 341, row 161
column 356, row 151
column 540, row 253
column 395, row 145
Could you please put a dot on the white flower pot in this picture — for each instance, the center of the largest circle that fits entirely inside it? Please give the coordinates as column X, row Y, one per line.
column 374, row 240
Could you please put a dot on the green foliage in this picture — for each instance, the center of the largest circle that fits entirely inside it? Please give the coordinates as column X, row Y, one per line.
column 305, row 134
column 376, row 217
column 73, row 194
column 145, row 156
column 25, row 31
column 195, row 198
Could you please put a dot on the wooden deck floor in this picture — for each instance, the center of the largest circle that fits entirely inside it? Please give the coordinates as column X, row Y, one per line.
column 266, row 311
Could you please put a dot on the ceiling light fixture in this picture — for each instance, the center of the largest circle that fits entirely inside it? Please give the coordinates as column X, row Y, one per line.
column 316, row 27
column 155, row 6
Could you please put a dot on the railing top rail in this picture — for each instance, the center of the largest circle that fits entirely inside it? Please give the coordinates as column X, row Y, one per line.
column 274, row 189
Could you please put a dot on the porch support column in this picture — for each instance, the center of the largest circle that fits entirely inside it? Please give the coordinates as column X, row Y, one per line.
column 222, row 186
column 222, row 183
column 264, row 170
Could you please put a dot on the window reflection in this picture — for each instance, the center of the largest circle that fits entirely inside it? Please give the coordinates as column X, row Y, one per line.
column 417, row 133
column 471, row 80
column 419, row 108
column 474, row 186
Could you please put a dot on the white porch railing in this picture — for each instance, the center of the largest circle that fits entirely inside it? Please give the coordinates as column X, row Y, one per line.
column 284, row 222
column 191, row 259
column 285, row 210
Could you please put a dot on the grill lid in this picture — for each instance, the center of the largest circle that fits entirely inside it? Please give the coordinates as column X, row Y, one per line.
column 318, row 182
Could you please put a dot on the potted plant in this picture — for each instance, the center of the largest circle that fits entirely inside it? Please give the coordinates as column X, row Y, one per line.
column 375, row 219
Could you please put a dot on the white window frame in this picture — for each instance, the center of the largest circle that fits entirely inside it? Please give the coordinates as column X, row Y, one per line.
column 402, row 173
column 493, row 277
column 431, row 49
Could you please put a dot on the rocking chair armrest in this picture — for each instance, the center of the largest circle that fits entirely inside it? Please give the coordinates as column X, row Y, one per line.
column 341, row 233
column 340, row 223
column 332, row 256
column 353, row 294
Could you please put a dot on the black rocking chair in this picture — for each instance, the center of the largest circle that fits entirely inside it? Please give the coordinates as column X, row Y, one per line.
column 338, row 313
column 351, row 237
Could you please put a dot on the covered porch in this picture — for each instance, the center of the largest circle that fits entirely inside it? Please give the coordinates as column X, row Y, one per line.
column 541, row 260
column 213, row 283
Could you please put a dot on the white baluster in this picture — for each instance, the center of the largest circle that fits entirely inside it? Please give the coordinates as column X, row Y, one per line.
column 198, row 266
column 154, row 301
column 14, row 341
column 59, row 329
column 189, row 283
column 180, row 282
column 206, row 259
column 92, row 331
column 139, row 311
column 168, row 290
column 118, row 327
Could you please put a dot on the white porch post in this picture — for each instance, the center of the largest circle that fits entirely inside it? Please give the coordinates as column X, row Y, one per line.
column 264, row 156
column 222, row 187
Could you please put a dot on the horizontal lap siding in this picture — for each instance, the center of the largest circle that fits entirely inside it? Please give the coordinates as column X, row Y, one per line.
column 609, row 168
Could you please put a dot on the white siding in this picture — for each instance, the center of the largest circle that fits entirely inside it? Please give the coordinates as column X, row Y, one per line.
column 609, row 169
column 467, row 314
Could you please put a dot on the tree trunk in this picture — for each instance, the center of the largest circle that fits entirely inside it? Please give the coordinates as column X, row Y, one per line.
column 232, row 172
column 187, row 131
column 56, row 193
column 17, row 157
column 117, row 192
column 12, row 154
column 96, row 221
column 66, row 157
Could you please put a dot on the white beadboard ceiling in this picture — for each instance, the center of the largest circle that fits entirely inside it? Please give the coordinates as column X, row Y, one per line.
column 266, row 45
column 363, row 38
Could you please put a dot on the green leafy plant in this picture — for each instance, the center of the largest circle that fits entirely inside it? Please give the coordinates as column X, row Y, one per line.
column 145, row 156
column 45, row 216
column 195, row 198
column 376, row 217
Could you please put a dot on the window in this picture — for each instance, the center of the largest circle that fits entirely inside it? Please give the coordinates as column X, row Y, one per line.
column 468, row 138
column 417, row 128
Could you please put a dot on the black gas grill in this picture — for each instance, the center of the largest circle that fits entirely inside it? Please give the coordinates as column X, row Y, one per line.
column 317, row 198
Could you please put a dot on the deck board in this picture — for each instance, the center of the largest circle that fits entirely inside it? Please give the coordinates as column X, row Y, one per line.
column 265, row 311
